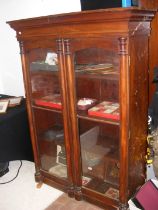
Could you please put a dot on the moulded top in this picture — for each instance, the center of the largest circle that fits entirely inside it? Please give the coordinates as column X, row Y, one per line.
column 100, row 15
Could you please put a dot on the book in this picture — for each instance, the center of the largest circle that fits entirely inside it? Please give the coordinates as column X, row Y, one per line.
column 13, row 101
column 3, row 106
column 146, row 197
column 96, row 69
column 53, row 101
column 105, row 109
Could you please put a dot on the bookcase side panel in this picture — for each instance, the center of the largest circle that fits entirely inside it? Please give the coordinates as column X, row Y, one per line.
column 138, row 110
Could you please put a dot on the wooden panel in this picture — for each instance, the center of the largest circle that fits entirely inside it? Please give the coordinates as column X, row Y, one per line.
column 152, row 4
column 138, row 95
column 153, row 54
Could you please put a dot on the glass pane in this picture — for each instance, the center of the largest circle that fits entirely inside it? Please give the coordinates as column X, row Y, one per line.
column 97, row 99
column 50, row 136
column 97, row 83
column 100, row 157
column 44, row 78
column 47, row 109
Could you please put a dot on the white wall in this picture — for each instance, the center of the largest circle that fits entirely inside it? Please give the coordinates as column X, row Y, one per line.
column 11, row 79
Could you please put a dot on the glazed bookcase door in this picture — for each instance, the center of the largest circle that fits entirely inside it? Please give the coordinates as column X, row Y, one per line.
column 47, row 106
column 96, row 78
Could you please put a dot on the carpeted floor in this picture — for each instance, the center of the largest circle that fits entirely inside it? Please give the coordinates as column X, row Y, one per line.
column 22, row 193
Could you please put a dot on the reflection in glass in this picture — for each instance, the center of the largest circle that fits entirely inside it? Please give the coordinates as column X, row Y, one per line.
column 97, row 103
column 97, row 83
column 44, row 78
column 100, row 158
column 49, row 61
column 50, row 137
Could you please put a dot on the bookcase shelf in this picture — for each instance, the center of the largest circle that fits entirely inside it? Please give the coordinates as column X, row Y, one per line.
column 97, row 119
